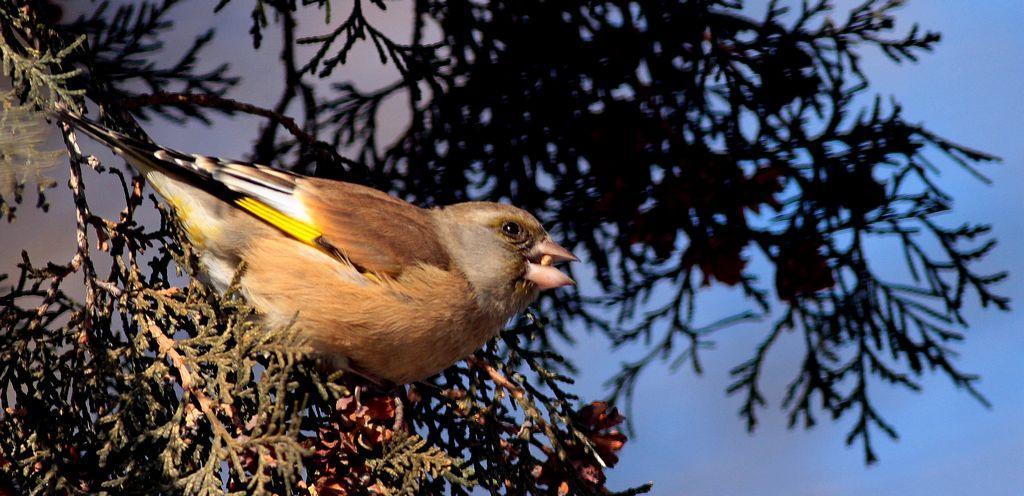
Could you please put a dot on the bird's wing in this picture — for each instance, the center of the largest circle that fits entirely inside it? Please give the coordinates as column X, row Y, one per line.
column 374, row 231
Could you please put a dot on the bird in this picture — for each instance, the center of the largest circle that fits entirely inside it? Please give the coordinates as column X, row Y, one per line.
column 376, row 285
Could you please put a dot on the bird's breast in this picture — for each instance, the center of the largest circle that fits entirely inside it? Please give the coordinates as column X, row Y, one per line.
column 402, row 329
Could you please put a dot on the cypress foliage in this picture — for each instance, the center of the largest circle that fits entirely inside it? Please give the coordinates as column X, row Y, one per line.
column 671, row 140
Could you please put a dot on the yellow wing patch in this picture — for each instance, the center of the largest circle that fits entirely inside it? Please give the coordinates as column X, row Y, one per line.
column 295, row 228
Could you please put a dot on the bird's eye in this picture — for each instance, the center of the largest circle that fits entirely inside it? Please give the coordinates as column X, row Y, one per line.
column 511, row 229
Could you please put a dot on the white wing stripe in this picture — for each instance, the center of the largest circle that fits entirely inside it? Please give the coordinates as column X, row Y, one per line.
column 282, row 201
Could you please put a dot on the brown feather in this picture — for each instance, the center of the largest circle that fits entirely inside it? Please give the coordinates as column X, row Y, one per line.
column 447, row 279
column 401, row 330
column 375, row 231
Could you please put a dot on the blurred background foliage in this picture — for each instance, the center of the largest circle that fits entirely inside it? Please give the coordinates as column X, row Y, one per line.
column 676, row 141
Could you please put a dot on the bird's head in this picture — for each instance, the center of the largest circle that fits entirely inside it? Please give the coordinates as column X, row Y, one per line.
column 505, row 252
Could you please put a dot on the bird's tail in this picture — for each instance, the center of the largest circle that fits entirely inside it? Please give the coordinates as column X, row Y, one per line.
column 262, row 191
column 143, row 155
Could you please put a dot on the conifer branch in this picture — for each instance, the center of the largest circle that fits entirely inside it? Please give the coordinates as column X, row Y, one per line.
column 627, row 131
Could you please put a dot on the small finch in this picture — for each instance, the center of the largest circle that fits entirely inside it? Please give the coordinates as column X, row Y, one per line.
column 377, row 285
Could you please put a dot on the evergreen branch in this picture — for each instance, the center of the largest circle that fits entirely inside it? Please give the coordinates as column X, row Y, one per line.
column 31, row 70
column 220, row 103
column 322, row 150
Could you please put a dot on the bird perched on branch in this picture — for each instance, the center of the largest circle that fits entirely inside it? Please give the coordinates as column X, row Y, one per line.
column 379, row 286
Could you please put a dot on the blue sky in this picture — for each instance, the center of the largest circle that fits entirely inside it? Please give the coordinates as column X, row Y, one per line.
column 690, row 440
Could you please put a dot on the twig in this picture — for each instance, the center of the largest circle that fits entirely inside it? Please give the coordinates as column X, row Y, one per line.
column 323, row 150
column 81, row 257
column 499, row 379
column 167, row 347
column 214, row 101
column 518, row 393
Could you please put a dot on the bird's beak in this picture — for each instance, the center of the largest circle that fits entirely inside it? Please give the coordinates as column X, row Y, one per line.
column 538, row 266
